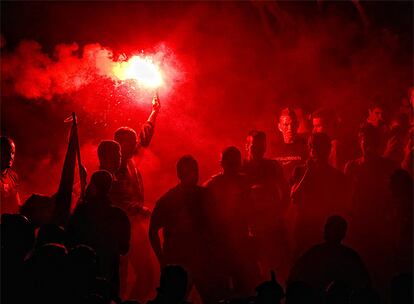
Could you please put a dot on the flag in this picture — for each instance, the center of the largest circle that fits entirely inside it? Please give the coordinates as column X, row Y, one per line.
column 63, row 197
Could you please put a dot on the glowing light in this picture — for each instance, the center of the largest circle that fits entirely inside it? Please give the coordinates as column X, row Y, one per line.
column 139, row 68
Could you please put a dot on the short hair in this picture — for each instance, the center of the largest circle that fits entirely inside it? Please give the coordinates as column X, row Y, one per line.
column 108, row 146
column 289, row 112
column 231, row 157
column 335, row 228
column 185, row 164
column 256, row 134
column 125, row 132
column 102, row 180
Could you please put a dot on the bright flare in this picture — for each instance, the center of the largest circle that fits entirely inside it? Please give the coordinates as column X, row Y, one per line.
column 141, row 69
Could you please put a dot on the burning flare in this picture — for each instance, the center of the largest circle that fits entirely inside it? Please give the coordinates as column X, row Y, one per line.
column 139, row 68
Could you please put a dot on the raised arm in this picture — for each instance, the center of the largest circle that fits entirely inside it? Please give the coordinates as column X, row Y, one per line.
column 156, row 106
column 147, row 130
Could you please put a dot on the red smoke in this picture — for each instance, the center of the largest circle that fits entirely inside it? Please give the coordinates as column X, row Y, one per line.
column 233, row 67
column 34, row 75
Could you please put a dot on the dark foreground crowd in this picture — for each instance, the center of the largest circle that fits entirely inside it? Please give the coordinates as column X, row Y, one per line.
column 263, row 230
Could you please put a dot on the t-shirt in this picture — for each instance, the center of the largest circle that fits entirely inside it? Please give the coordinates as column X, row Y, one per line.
column 180, row 213
column 324, row 263
column 268, row 189
column 290, row 155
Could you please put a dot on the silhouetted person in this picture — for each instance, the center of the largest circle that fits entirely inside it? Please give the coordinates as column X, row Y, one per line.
column 181, row 215
column 47, row 280
column 50, row 233
column 324, row 121
column 9, row 200
column 269, row 292
column 229, row 217
column 82, row 271
column 270, row 199
column 318, row 191
column 331, row 261
column 292, row 150
column 370, row 176
column 109, row 155
column 402, row 288
column 17, row 238
column 173, row 286
column 129, row 195
column 103, row 227
column 38, row 209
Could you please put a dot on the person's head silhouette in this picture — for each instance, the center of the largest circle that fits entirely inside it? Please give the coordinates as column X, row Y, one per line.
column 269, row 292
column 127, row 138
column 187, row 170
column 99, row 185
column 173, row 283
column 109, row 154
column 231, row 160
column 256, row 145
column 38, row 209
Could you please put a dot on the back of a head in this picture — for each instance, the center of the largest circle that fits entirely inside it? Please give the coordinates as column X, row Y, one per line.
column 231, row 159
column 101, row 182
column 269, row 292
column 38, row 209
column 127, row 138
column 402, row 288
column 125, row 134
column 187, row 169
column 335, row 229
column 17, row 235
column 109, row 154
column 320, row 145
column 173, row 283
column 49, row 261
column 50, row 233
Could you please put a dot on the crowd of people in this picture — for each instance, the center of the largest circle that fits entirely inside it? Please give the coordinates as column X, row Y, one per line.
column 268, row 228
